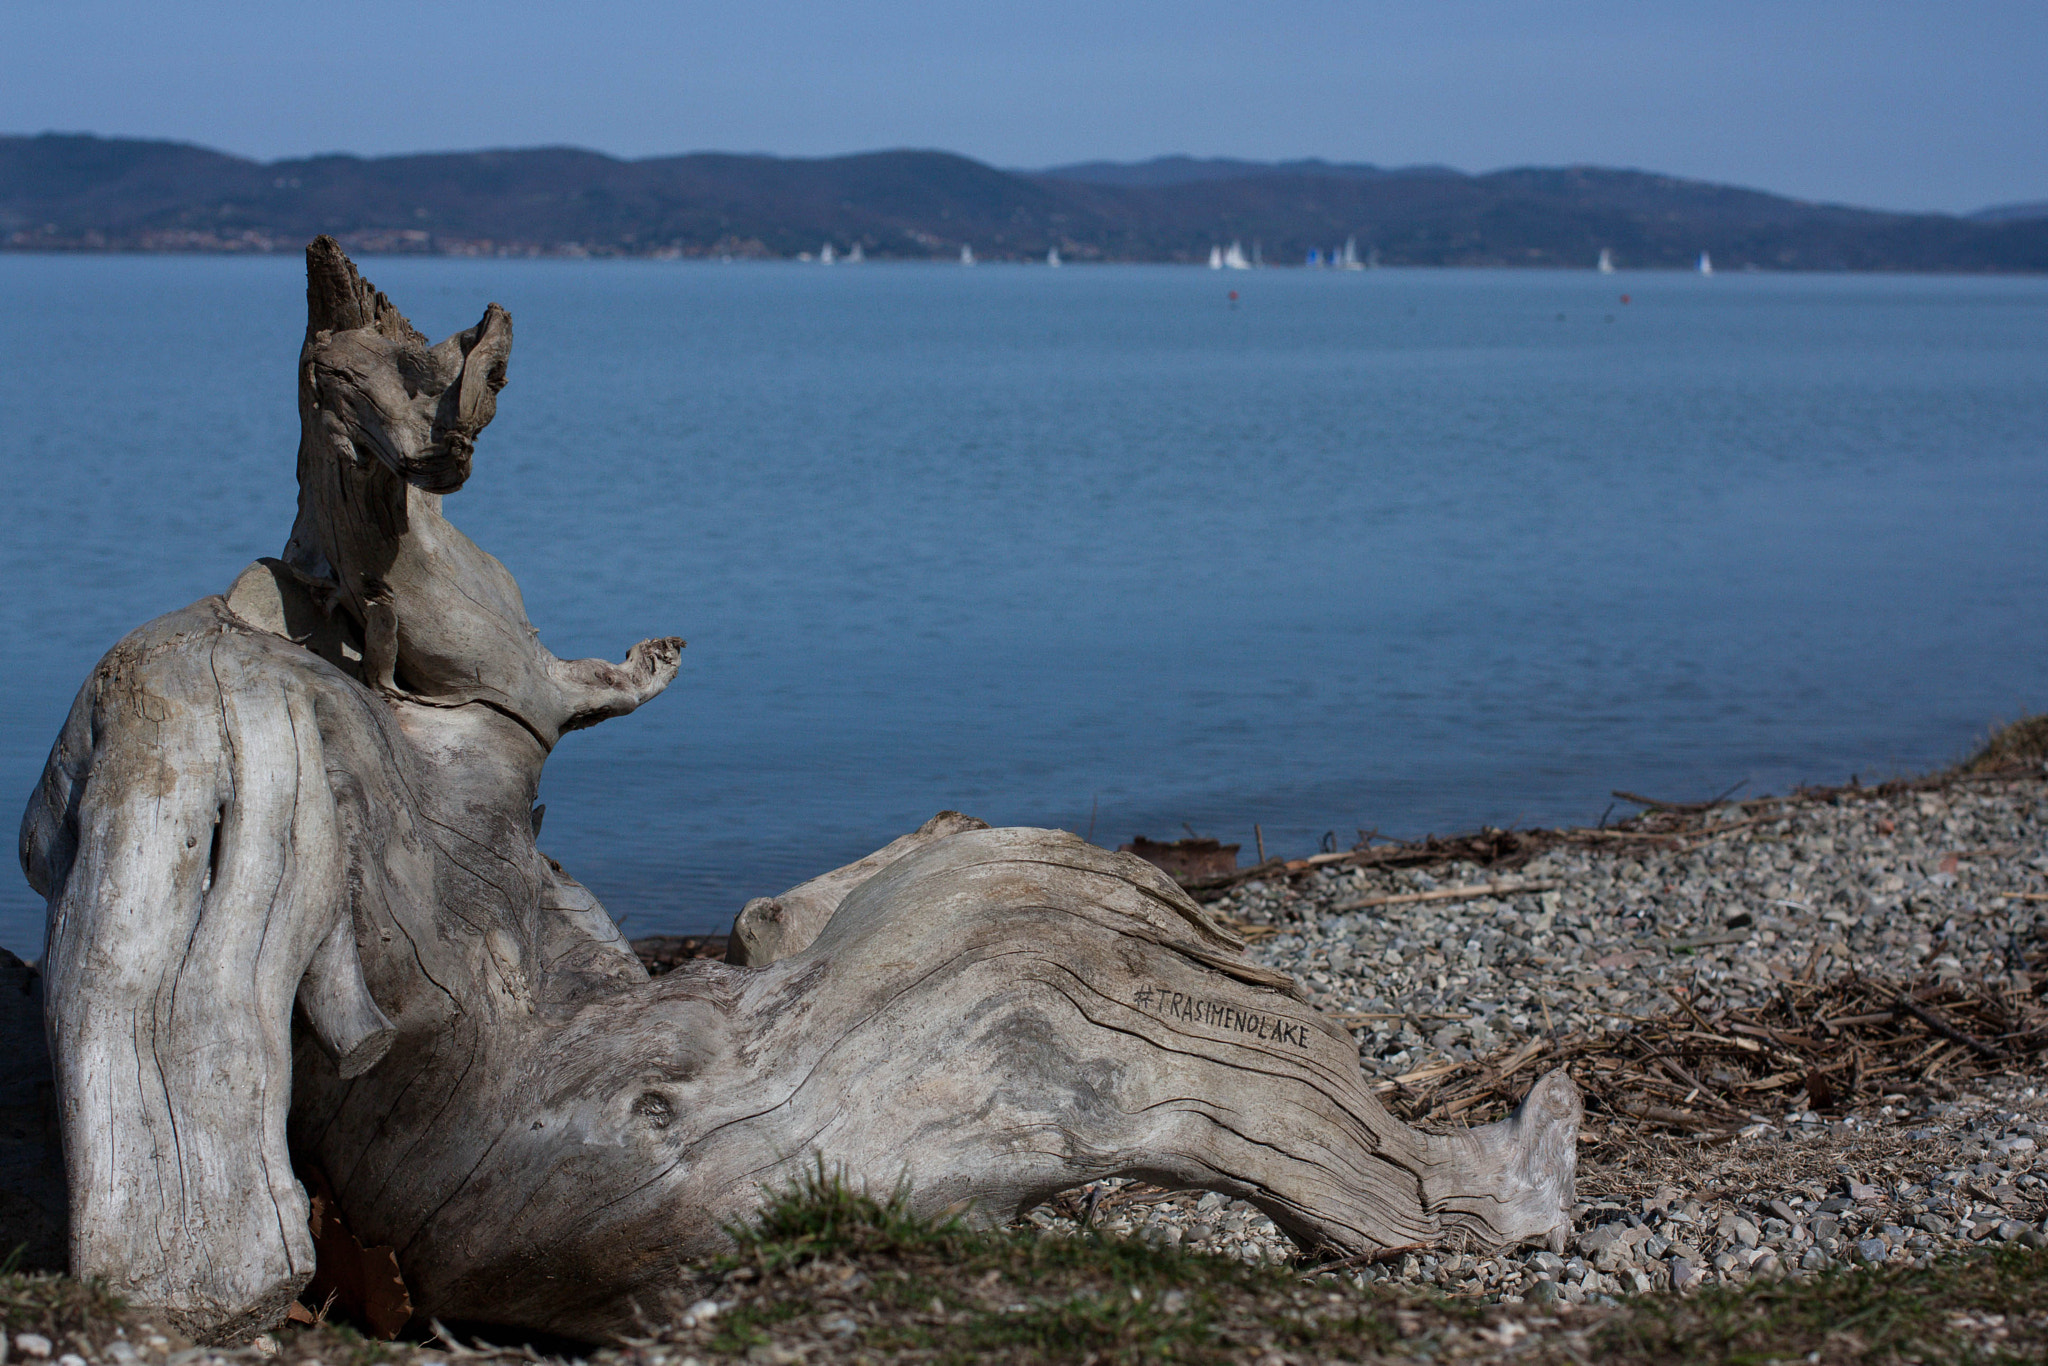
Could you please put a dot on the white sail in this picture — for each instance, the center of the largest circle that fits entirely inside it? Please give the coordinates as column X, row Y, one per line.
column 1606, row 261
column 1052, row 257
column 1234, row 258
column 855, row 257
column 1215, row 258
column 826, row 254
column 1350, row 261
column 966, row 254
column 1706, row 264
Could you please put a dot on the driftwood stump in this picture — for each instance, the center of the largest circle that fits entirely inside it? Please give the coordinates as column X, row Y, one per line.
column 297, row 913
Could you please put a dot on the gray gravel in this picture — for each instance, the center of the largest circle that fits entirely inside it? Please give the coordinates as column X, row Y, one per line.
column 1904, row 887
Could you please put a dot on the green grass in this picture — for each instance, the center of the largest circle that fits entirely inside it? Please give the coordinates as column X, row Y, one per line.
column 835, row 1275
column 842, row 1276
column 1879, row 1314
column 938, row 1290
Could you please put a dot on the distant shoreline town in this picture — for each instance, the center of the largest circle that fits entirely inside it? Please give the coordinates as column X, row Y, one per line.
column 81, row 193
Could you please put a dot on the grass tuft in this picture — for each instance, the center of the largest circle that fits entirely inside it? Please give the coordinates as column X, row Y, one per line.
column 818, row 1216
column 837, row 1274
column 2024, row 741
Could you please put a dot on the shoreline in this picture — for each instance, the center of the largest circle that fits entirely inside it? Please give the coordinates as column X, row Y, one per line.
column 1495, row 854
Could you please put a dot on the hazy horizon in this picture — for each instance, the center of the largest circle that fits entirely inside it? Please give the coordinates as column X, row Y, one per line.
column 1891, row 106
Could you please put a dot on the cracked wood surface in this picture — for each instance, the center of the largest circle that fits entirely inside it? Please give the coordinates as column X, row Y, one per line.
column 297, row 914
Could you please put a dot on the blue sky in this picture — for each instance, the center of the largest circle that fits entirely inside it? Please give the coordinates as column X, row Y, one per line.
column 1895, row 105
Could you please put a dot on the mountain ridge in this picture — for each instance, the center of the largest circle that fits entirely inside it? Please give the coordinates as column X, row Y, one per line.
column 81, row 192
column 2010, row 213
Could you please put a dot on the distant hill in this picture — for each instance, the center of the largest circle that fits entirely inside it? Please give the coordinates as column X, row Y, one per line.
column 69, row 192
column 2012, row 213
column 1184, row 170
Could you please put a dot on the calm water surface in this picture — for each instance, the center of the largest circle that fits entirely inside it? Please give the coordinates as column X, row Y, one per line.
column 1093, row 548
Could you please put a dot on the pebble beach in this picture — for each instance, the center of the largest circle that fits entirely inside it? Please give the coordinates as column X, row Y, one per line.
column 1940, row 882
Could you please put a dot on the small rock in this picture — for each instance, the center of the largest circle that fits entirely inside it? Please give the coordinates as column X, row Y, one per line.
column 1872, row 1250
column 2010, row 1229
column 1619, row 1255
column 1664, row 1199
column 35, row 1344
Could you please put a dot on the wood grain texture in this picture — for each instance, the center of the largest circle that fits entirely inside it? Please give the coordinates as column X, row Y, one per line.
column 297, row 912
column 774, row 927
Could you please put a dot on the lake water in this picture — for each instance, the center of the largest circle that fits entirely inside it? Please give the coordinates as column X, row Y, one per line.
column 1096, row 548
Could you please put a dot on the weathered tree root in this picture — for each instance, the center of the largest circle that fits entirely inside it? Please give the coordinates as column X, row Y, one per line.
column 296, row 909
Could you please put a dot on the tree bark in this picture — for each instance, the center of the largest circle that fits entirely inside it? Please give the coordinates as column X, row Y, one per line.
column 297, row 911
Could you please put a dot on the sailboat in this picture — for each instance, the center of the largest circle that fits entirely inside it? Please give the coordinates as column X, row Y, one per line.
column 1349, row 260
column 825, row 254
column 1052, row 257
column 966, row 254
column 1215, row 258
column 1234, row 258
column 1706, row 264
column 855, row 257
column 1606, row 261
